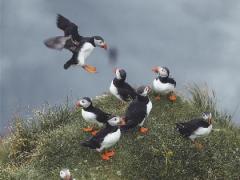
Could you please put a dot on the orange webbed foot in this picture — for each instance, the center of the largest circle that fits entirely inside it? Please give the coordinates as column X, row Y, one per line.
column 172, row 97
column 143, row 130
column 105, row 157
column 110, row 153
column 89, row 68
column 94, row 132
column 157, row 98
column 88, row 129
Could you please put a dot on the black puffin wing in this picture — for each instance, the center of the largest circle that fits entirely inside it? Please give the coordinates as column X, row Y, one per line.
column 136, row 111
column 68, row 27
column 189, row 127
column 98, row 139
column 71, row 61
column 126, row 91
column 102, row 116
column 172, row 81
column 131, row 92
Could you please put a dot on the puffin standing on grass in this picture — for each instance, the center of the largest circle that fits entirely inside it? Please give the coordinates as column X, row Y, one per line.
column 196, row 128
column 138, row 110
column 106, row 137
column 92, row 114
column 163, row 84
column 120, row 88
column 81, row 47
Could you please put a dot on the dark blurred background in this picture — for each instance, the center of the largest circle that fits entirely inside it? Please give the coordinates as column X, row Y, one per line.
column 199, row 41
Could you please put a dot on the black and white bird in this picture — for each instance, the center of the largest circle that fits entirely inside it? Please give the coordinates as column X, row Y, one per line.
column 196, row 128
column 66, row 175
column 92, row 114
column 138, row 110
column 120, row 88
column 106, row 137
column 163, row 84
column 81, row 47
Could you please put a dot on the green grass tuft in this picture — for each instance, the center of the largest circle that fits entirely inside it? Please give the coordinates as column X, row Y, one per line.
column 40, row 148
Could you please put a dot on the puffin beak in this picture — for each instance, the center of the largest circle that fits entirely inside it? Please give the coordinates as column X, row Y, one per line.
column 78, row 105
column 114, row 70
column 122, row 122
column 104, row 46
column 149, row 89
column 210, row 121
column 155, row 69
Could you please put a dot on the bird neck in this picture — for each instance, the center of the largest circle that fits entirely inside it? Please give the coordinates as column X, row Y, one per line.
column 118, row 81
column 163, row 79
column 89, row 108
column 91, row 40
column 144, row 99
column 210, row 121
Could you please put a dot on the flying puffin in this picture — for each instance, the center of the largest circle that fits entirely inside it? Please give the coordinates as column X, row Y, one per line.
column 138, row 110
column 196, row 128
column 121, row 89
column 81, row 47
column 106, row 137
column 92, row 114
column 66, row 175
column 163, row 84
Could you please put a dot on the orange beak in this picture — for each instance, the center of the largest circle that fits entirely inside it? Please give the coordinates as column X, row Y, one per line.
column 78, row 105
column 155, row 69
column 114, row 70
column 104, row 46
column 149, row 89
column 122, row 122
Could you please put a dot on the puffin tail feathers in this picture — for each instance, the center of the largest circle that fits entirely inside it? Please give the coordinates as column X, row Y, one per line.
column 57, row 42
column 179, row 126
column 67, row 64
column 88, row 144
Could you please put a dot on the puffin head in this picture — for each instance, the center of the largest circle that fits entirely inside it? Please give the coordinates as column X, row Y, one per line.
column 162, row 71
column 85, row 102
column 120, row 74
column 65, row 174
column 116, row 121
column 99, row 41
column 207, row 116
column 143, row 90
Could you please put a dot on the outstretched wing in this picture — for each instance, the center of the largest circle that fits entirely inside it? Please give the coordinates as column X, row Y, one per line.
column 68, row 27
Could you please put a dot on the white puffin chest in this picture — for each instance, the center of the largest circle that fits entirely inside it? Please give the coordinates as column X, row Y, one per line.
column 89, row 116
column 201, row 132
column 84, row 52
column 162, row 88
column 114, row 91
column 111, row 139
column 149, row 107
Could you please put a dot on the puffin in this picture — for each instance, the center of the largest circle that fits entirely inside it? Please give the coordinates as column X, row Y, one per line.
column 163, row 84
column 92, row 114
column 138, row 110
column 196, row 128
column 106, row 137
column 66, row 175
column 120, row 88
column 80, row 46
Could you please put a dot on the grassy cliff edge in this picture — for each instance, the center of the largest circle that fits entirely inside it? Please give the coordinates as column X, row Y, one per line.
column 39, row 148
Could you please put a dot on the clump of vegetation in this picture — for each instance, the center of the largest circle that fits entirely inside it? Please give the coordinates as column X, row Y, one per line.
column 40, row 148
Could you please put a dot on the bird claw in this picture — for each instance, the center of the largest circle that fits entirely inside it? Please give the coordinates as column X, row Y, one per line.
column 143, row 130
column 157, row 98
column 88, row 129
column 94, row 132
column 172, row 97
